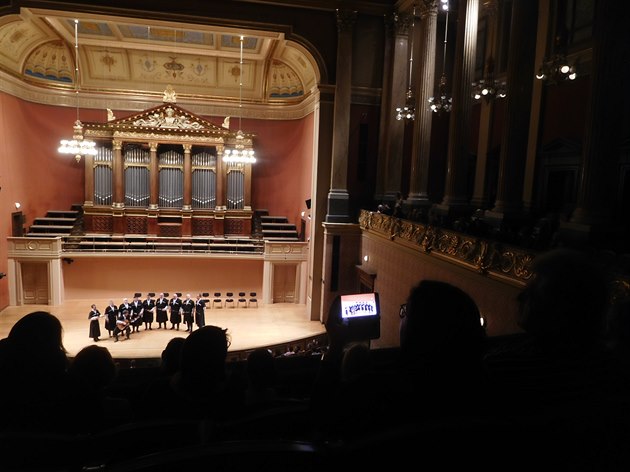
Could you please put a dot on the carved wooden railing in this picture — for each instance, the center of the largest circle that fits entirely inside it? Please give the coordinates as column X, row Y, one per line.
column 485, row 256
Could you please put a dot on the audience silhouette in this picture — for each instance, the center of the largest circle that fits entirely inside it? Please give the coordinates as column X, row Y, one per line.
column 33, row 368
column 555, row 379
column 91, row 372
column 442, row 344
column 262, row 377
column 558, row 393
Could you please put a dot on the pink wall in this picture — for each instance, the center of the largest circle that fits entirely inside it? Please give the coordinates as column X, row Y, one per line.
column 33, row 173
column 116, row 278
column 399, row 269
column 282, row 173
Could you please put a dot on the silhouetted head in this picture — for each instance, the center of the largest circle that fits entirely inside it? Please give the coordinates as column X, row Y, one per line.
column 441, row 322
column 93, row 367
column 40, row 331
column 261, row 368
column 203, row 357
column 36, row 344
column 172, row 354
column 565, row 300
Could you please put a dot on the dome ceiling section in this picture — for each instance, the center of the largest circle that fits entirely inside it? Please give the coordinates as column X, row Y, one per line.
column 18, row 39
column 123, row 55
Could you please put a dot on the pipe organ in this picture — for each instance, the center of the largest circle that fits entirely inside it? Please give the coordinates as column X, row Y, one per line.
column 160, row 173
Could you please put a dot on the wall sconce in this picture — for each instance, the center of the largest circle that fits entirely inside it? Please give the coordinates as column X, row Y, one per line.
column 17, row 205
column 366, row 258
column 2, row 275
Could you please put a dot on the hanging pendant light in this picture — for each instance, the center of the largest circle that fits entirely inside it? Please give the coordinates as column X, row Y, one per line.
column 443, row 102
column 407, row 112
column 239, row 154
column 489, row 88
column 78, row 146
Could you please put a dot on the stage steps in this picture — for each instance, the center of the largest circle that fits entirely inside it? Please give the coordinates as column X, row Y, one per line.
column 55, row 223
column 278, row 228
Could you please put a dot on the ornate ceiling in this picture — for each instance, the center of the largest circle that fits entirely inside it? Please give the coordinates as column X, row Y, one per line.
column 128, row 63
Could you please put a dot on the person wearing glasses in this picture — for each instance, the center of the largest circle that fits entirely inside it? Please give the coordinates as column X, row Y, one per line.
column 438, row 366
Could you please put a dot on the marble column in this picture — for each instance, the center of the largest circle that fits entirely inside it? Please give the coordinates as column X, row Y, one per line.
column 599, row 182
column 338, row 197
column 423, row 89
column 220, row 198
column 89, row 180
column 118, row 204
column 520, row 78
column 529, row 179
column 387, row 104
column 480, row 197
column 187, row 204
column 118, row 174
column 395, row 134
column 154, row 173
column 455, row 197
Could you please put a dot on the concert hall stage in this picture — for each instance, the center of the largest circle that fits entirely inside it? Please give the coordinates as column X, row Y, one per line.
column 265, row 325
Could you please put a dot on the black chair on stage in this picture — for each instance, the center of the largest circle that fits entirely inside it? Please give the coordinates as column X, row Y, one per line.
column 241, row 299
column 252, row 299
column 229, row 298
column 217, row 299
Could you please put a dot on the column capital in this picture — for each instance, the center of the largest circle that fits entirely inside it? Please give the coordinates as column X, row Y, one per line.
column 489, row 7
column 346, row 20
column 153, row 146
column 402, row 23
column 116, row 144
column 427, row 8
column 187, row 147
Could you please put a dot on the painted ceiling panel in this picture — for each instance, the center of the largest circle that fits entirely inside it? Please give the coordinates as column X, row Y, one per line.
column 126, row 56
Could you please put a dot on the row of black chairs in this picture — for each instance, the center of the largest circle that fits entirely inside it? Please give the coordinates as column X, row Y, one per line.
column 235, row 302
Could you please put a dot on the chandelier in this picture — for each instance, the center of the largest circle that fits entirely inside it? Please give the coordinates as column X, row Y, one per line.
column 78, row 146
column 239, row 154
column 408, row 110
column 488, row 89
column 556, row 69
column 443, row 102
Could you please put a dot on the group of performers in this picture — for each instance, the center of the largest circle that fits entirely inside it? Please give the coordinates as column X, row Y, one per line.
column 128, row 318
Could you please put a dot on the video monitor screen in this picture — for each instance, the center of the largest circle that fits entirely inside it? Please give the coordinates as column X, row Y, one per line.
column 359, row 305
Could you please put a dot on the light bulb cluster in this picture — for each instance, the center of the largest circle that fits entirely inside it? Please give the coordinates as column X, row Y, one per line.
column 239, row 156
column 77, row 145
column 557, row 69
column 408, row 111
column 488, row 89
column 443, row 102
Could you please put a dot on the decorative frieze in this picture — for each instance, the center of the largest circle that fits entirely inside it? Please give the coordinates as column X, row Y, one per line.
column 485, row 256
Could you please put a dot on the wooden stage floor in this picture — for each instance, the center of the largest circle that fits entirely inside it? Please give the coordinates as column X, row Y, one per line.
column 249, row 328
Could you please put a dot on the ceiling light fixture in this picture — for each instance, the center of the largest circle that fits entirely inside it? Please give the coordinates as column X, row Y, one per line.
column 489, row 88
column 408, row 110
column 556, row 69
column 239, row 154
column 78, row 146
column 443, row 102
